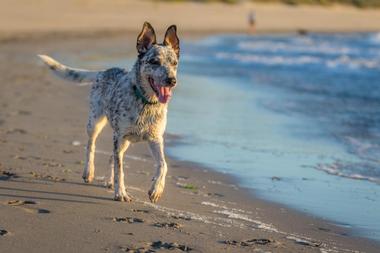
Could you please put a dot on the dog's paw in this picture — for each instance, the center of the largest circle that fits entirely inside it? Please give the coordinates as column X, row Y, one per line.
column 123, row 197
column 156, row 190
column 87, row 177
column 109, row 185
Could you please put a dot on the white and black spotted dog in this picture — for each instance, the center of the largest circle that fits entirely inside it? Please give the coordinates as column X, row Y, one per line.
column 133, row 102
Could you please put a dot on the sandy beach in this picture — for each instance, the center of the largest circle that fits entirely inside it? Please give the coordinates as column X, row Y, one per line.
column 83, row 17
column 45, row 206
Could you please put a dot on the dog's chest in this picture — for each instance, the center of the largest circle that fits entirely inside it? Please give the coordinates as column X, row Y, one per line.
column 143, row 122
column 128, row 115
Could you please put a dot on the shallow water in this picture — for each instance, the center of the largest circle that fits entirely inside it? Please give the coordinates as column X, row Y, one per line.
column 296, row 118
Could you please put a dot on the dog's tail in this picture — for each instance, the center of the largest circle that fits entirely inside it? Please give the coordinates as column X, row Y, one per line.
column 67, row 73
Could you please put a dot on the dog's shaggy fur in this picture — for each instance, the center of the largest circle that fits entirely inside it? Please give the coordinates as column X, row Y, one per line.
column 133, row 102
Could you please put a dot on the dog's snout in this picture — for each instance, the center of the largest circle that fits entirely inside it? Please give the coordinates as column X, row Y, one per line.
column 171, row 81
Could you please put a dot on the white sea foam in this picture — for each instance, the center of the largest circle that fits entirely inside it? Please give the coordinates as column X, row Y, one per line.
column 270, row 60
column 375, row 38
column 341, row 61
column 364, row 149
column 297, row 46
column 337, row 169
column 207, row 203
column 303, row 241
column 353, row 63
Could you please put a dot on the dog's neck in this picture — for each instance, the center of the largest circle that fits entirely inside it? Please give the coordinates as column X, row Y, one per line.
column 139, row 85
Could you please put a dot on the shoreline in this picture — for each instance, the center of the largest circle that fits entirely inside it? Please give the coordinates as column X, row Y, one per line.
column 192, row 34
column 44, row 161
column 251, row 193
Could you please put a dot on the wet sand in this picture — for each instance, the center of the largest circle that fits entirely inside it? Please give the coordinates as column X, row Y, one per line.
column 45, row 206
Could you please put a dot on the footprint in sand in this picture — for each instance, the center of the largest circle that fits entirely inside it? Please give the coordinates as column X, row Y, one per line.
column 215, row 194
column 46, row 177
column 24, row 113
column 24, row 205
column 16, row 131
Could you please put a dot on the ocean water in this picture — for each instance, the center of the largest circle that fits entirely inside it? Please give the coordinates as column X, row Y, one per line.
column 295, row 118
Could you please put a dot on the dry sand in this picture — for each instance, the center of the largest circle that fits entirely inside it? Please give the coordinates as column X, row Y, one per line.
column 18, row 17
column 45, row 207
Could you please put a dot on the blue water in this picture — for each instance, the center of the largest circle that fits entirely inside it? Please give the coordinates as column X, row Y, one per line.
column 295, row 118
column 305, row 109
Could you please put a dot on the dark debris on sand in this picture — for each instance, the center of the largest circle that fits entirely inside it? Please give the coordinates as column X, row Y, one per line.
column 5, row 175
column 155, row 247
column 167, row 225
column 248, row 243
column 43, row 210
column 136, row 250
column 127, row 220
column 180, row 217
column 3, row 232
column 170, row 246
column 140, row 211
column 18, row 202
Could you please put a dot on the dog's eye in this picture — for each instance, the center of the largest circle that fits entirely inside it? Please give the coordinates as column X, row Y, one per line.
column 175, row 63
column 154, row 62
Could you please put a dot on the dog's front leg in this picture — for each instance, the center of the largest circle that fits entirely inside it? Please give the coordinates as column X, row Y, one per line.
column 120, row 146
column 157, row 149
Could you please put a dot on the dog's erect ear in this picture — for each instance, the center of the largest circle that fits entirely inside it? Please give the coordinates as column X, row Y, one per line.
column 171, row 39
column 146, row 38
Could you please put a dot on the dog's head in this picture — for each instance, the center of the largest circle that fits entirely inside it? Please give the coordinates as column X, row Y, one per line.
column 158, row 62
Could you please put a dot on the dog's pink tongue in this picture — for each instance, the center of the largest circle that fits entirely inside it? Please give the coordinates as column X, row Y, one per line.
column 165, row 94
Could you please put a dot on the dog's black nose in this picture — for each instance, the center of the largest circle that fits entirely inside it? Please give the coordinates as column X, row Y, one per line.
column 171, row 81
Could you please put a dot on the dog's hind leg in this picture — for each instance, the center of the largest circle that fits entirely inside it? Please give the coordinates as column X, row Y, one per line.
column 94, row 127
column 157, row 149
column 120, row 146
column 109, row 182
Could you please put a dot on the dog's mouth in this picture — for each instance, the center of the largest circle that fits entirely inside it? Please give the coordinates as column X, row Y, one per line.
column 163, row 93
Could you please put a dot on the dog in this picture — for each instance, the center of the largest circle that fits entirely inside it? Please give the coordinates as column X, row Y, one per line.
column 133, row 102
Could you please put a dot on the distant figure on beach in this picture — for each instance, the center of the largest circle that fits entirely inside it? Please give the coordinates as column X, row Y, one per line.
column 252, row 21
column 302, row 32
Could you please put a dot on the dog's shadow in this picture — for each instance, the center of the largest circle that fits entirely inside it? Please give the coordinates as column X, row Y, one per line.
column 57, row 193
